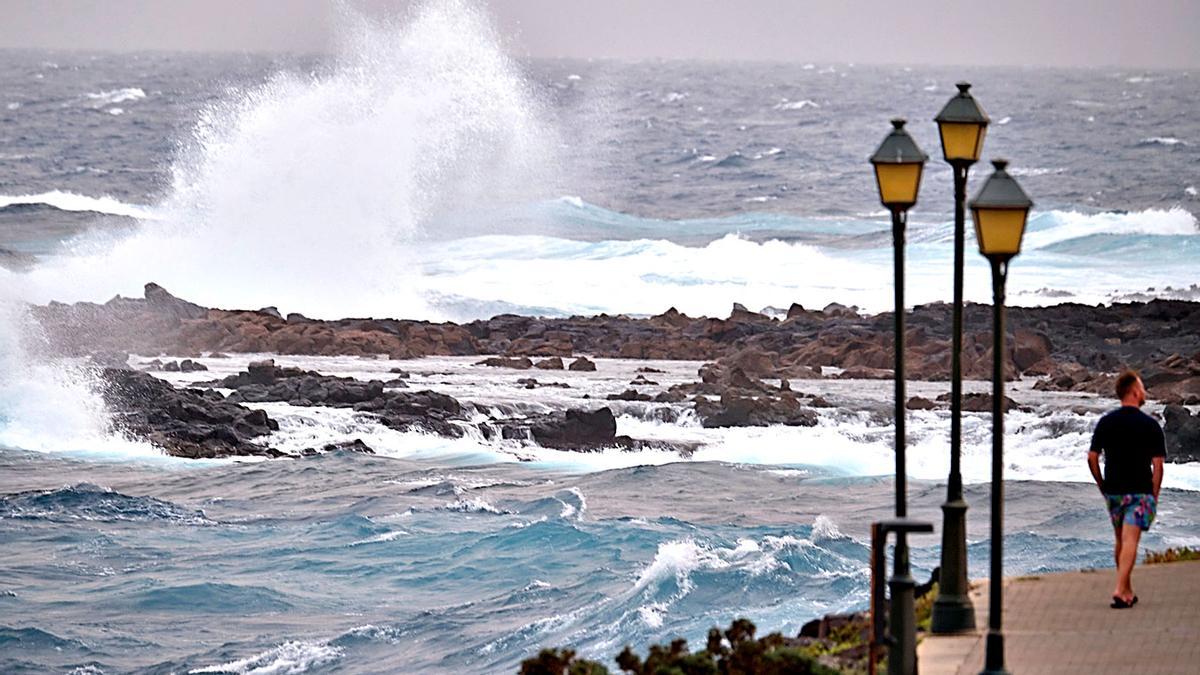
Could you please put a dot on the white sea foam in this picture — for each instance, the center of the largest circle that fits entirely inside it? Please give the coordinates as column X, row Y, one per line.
column 50, row 405
column 474, row 505
column 1035, row 171
column 115, row 111
column 796, row 105
column 288, row 658
column 70, row 201
column 13, row 106
column 1190, row 190
column 679, row 559
column 1163, row 140
column 1064, row 225
column 1004, row 120
column 380, row 538
column 103, row 98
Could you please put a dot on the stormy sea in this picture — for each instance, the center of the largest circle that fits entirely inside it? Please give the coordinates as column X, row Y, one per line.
column 423, row 172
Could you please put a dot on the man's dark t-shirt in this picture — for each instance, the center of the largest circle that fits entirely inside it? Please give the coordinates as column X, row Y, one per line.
column 1129, row 438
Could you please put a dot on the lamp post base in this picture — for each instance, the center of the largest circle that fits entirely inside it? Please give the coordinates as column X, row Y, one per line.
column 953, row 611
column 994, row 662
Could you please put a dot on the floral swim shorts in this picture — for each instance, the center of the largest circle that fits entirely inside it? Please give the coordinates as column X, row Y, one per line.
column 1132, row 509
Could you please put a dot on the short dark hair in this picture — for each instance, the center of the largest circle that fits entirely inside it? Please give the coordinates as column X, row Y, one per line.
column 1125, row 382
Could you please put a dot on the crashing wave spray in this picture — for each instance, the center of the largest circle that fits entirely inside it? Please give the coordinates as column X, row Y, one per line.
column 303, row 192
column 46, row 404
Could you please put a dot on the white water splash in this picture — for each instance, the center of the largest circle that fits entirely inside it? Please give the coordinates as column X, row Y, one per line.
column 305, row 191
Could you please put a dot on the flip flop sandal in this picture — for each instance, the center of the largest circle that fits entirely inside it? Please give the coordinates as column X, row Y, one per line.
column 1118, row 603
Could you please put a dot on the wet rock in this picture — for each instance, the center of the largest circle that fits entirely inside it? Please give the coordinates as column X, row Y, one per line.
column 629, row 395
column 109, row 359
column 983, row 403
column 1182, row 431
column 171, row 367
column 160, row 301
column 552, row 363
column 502, row 362
column 582, row 364
column 734, row 410
column 641, row 381
column 575, row 429
column 356, row 445
column 532, row 383
column 183, row 422
column 1030, row 347
column 648, row 370
column 920, row 403
column 836, row 309
column 190, row 366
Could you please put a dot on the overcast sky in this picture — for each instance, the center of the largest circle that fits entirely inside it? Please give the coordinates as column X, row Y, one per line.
column 1128, row 33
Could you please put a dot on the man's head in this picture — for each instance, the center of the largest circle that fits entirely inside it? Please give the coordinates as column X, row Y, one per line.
column 1130, row 389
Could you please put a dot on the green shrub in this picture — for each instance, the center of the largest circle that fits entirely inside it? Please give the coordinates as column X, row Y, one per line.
column 731, row 652
column 1181, row 554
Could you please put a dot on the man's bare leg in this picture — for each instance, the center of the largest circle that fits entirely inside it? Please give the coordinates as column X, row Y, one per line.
column 1117, row 547
column 1129, row 546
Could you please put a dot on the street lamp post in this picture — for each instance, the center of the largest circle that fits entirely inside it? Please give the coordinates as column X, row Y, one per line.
column 999, row 211
column 962, row 125
column 898, row 165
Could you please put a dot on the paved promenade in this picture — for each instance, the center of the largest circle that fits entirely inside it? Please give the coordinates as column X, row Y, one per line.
column 1061, row 623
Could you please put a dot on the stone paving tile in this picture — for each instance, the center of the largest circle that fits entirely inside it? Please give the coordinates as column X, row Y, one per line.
column 1061, row 623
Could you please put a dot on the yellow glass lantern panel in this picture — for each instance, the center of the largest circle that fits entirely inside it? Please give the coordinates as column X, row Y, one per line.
column 999, row 231
column 898, row 183
column 962, row 140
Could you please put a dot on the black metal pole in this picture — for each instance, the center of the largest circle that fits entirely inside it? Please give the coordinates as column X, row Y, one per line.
column 952, row 610
column 902, row 659
column 994, row 660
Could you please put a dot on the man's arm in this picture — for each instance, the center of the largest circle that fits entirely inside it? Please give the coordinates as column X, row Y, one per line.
column 1158, row 474
column 1094, row 465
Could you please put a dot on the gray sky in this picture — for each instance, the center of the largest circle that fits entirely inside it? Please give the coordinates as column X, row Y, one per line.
column 1141, row 33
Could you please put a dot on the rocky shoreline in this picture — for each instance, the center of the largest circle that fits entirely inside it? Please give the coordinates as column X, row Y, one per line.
column 752, row 361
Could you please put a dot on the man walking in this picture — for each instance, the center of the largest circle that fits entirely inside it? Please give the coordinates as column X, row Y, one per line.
column 1134, row 448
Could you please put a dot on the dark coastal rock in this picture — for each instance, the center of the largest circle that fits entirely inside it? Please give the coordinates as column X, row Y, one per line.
column 920, row 403
column 734, row 410
column 983, row 403
column 1182, row 431
column 630, row 395
column 183, row 422
column 1156, row 337
column 582, row 364
column 190, row 366
column 575, row 429
column 109, row 359
column 533, row 383
column 552, row 363
column 356, row 445
column 502, row 362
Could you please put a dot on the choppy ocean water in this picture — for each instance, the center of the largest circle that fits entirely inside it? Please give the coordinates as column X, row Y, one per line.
column 422, row 172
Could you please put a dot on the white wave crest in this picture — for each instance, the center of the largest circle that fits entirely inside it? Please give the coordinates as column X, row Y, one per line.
column 1163, row 140
column 103, row 98
column 70, row 201
column 1063, row 225
column 288, row 658
column 476, row 505
column 796, row 105
column 679, row 559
